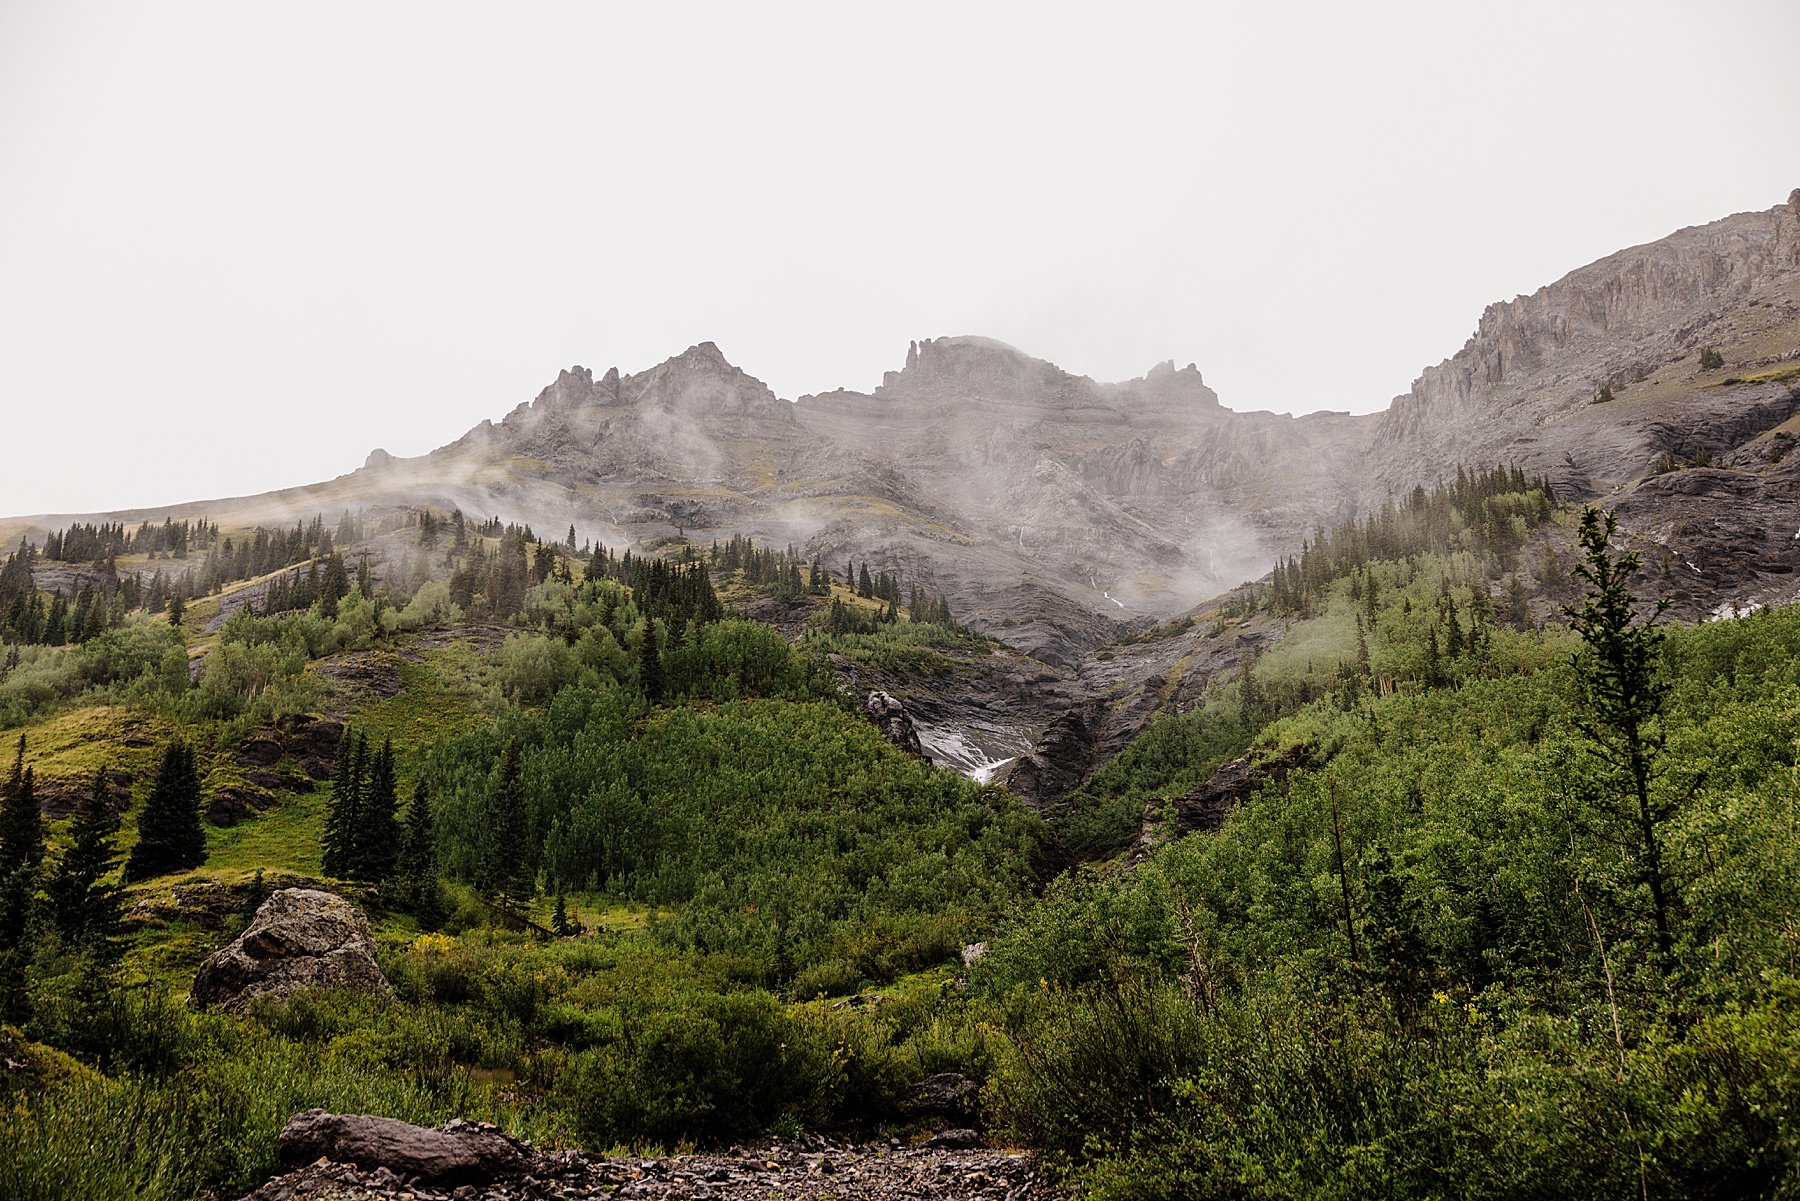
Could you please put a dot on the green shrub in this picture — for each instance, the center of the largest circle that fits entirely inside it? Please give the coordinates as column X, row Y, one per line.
column 716, row 1068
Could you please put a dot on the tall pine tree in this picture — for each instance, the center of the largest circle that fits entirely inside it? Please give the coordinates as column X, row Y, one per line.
column 21, row 855
column 344, row 811
column 505, row 868
column 376, row 837
column 87, row 911
column 170, row 838
column 418, row 861
column 1620, row 674
column 21, row 825
column 650, row 669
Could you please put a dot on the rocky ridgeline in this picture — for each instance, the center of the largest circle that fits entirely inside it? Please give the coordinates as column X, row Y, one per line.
column 1520, row 387
column 348, row 1156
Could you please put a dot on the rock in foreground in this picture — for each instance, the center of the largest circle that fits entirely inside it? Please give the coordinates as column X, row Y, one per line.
column 300, row 938
column 456, row 1153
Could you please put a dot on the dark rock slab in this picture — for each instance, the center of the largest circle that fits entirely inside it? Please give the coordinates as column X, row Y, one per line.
column 458, row 1153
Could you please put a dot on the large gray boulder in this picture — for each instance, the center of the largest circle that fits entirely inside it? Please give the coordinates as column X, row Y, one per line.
column 457, row 1153
column 300, row 938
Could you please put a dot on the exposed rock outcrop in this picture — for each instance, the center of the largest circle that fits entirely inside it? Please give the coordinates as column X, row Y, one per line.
column 1205, row 807
column 1060, row 761
column 895, row 724
column 942, row 1093
column 300, row 938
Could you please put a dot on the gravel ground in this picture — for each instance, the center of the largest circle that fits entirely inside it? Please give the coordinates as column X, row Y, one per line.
column 807, row 1169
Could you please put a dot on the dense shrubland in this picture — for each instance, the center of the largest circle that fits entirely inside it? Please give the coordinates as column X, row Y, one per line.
column 1431, row 964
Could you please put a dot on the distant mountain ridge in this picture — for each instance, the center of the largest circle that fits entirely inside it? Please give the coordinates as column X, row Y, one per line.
column 1050, row 507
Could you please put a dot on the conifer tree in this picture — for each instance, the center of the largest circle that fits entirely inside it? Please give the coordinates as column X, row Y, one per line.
column 650, row 670
column 1518, row 605
column 559, row 922
column 865, row 585
column 418, row 860
column 21, row 825
column 375, row 841
column 1625, row 693
column 21, row 854
column 504, row 870
column 170, row 837
column 344, row 811
column 87, row 912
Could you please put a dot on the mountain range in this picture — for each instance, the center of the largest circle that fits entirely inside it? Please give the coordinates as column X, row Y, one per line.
column 1057, row 512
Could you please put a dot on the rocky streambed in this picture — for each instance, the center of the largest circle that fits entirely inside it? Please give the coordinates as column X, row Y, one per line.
column 340, row 1157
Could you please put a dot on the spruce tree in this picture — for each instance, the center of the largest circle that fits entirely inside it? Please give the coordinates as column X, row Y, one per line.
column 87, row 912
column 21, row 854
column 170, row 837
column 1624, row 690
column 418, row 861
column 650, row 669
column 1518, row 605
column 343, row 812
column 559, row 922
column 375, row 841
column 504, row 871
column 21, row 825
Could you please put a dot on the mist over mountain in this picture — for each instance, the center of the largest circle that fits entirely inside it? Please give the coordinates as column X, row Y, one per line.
column 1054, row 510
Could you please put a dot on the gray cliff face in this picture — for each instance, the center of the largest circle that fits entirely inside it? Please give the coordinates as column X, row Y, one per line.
column 1635, row 323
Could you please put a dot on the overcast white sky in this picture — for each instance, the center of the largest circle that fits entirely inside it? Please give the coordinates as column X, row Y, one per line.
column 241, row 244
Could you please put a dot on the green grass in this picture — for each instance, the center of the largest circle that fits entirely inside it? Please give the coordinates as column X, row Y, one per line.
column 440, row 694
column 1770, row 376
column 285, row 838
column 65, row 749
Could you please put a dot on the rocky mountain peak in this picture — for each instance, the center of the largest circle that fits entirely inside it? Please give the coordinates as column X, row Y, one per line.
column 573, row 388
column 1166, row 382
column 971, row 366
column 700, row 382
